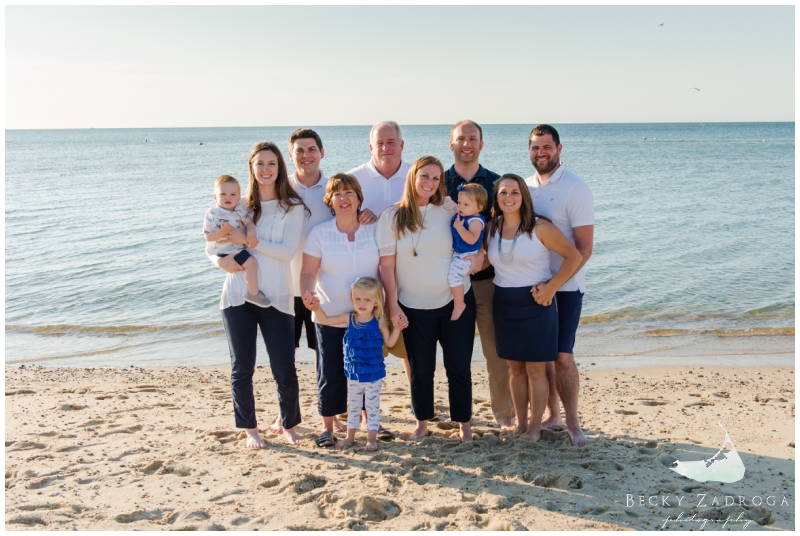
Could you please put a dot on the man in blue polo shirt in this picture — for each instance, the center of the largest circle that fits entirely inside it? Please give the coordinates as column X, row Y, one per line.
column 466, row 142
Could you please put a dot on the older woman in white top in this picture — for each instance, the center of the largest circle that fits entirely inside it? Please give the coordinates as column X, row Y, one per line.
column 337, row 253
column 525, row 316
column 278, row 213
column 415, row 245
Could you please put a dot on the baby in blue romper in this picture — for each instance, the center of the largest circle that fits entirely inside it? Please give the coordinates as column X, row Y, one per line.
column 468, row 227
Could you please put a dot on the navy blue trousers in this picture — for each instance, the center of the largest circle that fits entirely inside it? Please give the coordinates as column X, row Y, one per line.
column 425, row 328
column 331, row 381
column 277, row 329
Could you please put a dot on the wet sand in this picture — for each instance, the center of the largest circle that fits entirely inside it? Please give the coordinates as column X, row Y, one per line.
column 155, row 449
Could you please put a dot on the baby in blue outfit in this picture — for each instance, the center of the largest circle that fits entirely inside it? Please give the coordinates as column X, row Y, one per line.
column 468, row 227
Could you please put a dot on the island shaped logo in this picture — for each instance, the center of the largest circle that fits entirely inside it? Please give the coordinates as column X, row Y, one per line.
column 724, row 466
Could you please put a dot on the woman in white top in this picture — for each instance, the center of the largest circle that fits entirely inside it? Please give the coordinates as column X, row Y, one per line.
column 416, row 247
column 525, row 315
column 278, row 213
column 336, row 254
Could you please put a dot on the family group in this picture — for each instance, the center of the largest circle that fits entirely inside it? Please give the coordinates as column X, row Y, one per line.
column 396, row 257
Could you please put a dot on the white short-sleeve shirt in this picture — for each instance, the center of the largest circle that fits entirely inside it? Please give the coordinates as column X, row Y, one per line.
column 421, row 279
column 341, row 263
column 320, row 212
column 380, row 192
column 567, row 201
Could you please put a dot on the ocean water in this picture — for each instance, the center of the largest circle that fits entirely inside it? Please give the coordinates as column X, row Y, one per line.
column 105, row 266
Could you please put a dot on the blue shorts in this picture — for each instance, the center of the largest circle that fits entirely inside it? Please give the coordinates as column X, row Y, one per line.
column 240, row 257
column 569, row 305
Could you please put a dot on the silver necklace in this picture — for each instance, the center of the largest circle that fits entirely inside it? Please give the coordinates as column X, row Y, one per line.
column 507, row 258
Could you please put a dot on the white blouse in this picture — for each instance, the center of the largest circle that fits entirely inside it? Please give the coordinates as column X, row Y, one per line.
column 341, row 263
column 422, row 279
column 529, row 265
column 278, row 234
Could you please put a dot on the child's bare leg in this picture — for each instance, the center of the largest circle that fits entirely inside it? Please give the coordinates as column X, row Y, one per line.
column 349, row 440
column 251, row 275
column 372, row 441
column 458, row 301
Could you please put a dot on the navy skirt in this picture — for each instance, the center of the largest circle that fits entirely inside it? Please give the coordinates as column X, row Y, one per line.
column 523, row 329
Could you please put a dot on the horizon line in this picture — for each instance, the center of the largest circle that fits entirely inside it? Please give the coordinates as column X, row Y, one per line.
column 408, row 125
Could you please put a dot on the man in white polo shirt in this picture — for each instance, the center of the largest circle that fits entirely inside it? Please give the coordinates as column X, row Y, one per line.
column 563, row 197
column 382, row 181
column 305, row 150
column 383, row 178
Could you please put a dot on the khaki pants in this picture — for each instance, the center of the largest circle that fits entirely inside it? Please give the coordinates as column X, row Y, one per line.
column 399, row 348
column 499, row 390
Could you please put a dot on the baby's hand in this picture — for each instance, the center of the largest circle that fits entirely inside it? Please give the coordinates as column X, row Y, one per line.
column 227, row 228
column 251, row 241
column 458, row 223
column 449, row 204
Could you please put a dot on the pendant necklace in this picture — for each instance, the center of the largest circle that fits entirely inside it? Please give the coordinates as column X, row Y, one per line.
column 413, row 245
column 507, row 258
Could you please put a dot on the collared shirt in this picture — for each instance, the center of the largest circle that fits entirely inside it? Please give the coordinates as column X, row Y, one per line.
column 567, row 201
column 320, row 212
column 380, row 192
column 485, row 178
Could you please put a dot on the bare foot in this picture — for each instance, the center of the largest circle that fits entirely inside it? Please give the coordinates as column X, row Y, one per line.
column 291, row 435
column 465, row 432
column 418, row 433
column 254, row 440
column 553, row 421
column 521, row 428
column 338, row 425
column 457, row 310
column 507, row 423
column 371, row 446
column 576, row 436
column 344, row 443
column 533, row 435
column 276, row 428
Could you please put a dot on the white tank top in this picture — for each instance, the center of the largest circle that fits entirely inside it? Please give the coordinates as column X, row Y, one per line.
column 529, row 265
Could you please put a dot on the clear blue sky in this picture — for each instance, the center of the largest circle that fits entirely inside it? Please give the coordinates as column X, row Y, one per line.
column 94, row 66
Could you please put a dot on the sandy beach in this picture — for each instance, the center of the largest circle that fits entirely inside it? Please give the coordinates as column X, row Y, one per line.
column 155, row 449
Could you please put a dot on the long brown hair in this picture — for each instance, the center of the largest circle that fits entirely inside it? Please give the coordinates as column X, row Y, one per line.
column 287, row 197
column 527, row 215
column 408, row 217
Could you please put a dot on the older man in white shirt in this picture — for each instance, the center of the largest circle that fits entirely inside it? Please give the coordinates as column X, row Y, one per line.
column 383, row 178
column 382, row 181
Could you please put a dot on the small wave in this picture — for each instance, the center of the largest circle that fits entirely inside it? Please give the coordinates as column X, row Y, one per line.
column 781, row 310
column 627, row 313
column 748, row 332
column 66, row 329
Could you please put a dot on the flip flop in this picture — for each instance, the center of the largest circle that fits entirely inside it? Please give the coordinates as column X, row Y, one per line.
column 384, row 434
column 325, row 439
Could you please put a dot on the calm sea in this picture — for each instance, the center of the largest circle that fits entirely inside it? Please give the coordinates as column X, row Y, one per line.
column 105, row 264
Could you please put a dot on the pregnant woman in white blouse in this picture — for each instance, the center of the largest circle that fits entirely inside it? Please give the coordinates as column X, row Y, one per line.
column 525, row 316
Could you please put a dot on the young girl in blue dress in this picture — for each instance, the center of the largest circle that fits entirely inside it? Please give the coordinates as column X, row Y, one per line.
column 367, row 331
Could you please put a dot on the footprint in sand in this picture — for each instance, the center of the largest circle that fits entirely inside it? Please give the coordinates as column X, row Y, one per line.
column 626, row 412
column 270, row 483
column 603, row 466
column 71, row 407
column 370, row 508
column 560, row 481
column 306, row 483
column 27, row 520
column 140, row 515
column 27, row 445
